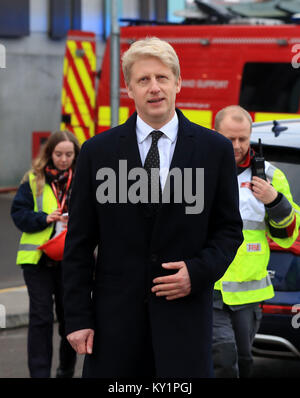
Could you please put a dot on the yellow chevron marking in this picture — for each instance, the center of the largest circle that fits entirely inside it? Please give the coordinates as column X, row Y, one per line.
column 79, row 132
column 267, row 116
column 83, row 73
column 104, row 115
column 91, row 129
column 204, row 118
column 78, row 97
column 88, row 48
column 65, row 66
column 74, row 121
column 68, row 106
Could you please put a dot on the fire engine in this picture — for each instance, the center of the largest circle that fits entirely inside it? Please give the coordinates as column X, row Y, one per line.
column 255, row 66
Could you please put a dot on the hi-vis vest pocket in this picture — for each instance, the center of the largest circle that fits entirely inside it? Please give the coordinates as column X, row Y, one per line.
column 253, row 255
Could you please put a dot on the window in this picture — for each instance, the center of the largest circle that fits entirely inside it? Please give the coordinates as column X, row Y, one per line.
column 64, row 15
column 270, row 87
column 14, row 18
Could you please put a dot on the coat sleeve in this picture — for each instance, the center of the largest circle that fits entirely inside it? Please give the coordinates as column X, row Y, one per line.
column 22, row 213
column 225, row 227
column 81, row 240
column 283, row 219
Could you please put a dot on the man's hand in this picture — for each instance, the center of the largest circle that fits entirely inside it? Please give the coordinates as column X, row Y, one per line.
column 173, row 286
column 263, row 190
column 82, row 341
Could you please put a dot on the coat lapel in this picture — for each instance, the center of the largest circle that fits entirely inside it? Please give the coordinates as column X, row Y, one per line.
column 128, row 150
column 128, row 147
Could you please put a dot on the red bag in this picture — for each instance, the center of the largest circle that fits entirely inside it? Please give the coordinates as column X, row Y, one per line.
column 54, row 248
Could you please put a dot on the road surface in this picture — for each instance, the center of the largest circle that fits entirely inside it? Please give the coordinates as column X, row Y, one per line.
column 10, row 274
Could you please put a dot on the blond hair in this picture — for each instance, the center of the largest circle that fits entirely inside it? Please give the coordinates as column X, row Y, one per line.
column 150, row 47
column 45, row 156
column 236, row 112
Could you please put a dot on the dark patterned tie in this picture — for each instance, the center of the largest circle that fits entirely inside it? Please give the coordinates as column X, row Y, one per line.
column 152, row 162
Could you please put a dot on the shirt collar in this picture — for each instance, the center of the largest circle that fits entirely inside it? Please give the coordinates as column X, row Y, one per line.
column 170, row 129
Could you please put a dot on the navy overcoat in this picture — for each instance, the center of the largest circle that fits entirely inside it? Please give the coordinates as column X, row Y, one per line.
column 114, row 296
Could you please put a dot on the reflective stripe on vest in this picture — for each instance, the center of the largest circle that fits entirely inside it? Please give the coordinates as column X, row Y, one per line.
column 27, row 247
column 39, row 202
column 232, row 287
column 254, row 225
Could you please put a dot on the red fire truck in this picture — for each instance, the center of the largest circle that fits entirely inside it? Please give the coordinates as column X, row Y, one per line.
column 254, row 66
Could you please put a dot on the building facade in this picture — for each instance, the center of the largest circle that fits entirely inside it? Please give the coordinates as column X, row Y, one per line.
column 32, row 46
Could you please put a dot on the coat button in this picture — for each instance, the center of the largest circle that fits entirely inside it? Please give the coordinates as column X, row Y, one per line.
column 153, row 258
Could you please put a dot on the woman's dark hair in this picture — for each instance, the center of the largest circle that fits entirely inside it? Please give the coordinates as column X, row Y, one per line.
column 45, row 156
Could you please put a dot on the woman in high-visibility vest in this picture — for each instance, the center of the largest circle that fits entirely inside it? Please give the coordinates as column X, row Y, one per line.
column 39, row 210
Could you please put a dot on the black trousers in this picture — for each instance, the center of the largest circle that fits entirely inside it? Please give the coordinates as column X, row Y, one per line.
column 44, row 284
column 233, row 335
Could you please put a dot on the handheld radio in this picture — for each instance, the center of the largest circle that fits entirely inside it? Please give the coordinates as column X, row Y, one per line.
column 258, row 163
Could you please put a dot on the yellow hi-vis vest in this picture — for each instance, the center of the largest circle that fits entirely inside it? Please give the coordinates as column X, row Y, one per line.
column 246, row 279
column 30, row 241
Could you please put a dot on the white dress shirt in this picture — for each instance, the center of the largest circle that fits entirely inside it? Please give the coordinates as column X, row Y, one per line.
column 166, row 144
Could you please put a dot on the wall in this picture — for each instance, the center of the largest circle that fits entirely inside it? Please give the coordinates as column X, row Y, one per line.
column 30, row 85
column 29, row 101
column 30, row 90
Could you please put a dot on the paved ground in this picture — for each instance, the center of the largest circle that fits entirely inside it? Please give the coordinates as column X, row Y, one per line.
column 13, row 359
column 13, row 293
column 14, row 305
column 10, row 274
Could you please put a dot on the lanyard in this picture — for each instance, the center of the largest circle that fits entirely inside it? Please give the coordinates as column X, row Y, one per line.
column 61, row 205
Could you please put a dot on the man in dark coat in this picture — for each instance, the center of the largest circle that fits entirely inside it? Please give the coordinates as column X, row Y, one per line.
column 146, row 307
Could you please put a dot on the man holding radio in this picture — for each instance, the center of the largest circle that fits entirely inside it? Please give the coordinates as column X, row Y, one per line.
column 267, row 209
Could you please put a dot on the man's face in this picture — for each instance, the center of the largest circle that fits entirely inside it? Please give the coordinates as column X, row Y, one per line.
column 239, row 134
column 153, row 87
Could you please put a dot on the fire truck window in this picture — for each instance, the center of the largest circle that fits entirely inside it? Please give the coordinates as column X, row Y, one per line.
column 270, row 87
column 64, row 15
column 14, row 18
